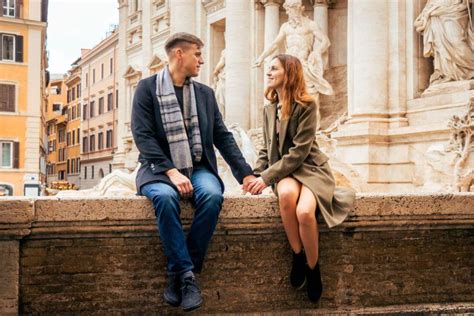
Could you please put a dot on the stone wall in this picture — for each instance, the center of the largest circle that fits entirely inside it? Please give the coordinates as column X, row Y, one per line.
column 103, row 256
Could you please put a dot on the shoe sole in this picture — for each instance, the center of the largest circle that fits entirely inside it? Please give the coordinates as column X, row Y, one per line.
column 170, row 301
column 302, row 285
column 191, row 308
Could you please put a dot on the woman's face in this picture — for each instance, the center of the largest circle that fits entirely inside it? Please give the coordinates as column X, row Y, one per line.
column 275, row 75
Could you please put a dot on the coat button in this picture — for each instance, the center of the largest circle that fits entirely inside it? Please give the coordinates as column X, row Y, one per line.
column 313, row 169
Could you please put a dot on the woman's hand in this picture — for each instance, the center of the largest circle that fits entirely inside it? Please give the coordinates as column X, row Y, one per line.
column 256, row 186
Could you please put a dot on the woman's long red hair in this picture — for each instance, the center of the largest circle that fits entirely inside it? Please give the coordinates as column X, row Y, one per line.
column 294, row 86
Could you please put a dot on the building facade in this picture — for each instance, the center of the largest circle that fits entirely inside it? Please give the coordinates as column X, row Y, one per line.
column 22, row 97
column 99, row 110
column 73, row 127
column 387, row 124
column 56, row 94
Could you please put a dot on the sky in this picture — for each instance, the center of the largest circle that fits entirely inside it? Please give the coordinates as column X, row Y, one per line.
column 76, row 24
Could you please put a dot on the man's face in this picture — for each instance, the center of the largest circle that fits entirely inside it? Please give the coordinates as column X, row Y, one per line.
column 293, row 11
column 191, row 60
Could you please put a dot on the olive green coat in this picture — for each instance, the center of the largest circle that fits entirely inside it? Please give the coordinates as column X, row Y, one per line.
column 298, row 155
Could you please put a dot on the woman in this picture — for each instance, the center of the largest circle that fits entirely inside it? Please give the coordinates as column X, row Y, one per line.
column 297, row 170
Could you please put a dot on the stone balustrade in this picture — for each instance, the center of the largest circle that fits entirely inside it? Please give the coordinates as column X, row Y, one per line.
column 407, row 253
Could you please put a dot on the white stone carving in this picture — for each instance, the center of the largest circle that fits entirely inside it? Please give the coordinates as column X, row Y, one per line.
column 304, row 39
column 448, row 37
column 219, row 83
column 118, row 183
column 462, row 144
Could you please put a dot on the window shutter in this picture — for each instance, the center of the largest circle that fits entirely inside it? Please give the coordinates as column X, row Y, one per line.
column 19, row 48
column 18, row 4
column 1, row 40
column 16, row 155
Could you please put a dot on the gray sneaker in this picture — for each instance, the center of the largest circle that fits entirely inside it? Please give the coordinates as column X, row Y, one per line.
column 190, row 293
column 172, row 293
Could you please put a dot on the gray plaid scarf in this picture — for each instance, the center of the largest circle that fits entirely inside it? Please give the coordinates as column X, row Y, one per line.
column 177, row 129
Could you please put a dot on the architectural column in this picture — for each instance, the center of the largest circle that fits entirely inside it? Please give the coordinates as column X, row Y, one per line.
column 183, row 16
column 368, row 59
column 119, row 155
column 272, row 26
column 320, row 16
column 238, row 62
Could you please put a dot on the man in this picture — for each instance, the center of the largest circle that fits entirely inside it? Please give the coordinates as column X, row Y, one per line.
column 175, row 124
column 305, row 40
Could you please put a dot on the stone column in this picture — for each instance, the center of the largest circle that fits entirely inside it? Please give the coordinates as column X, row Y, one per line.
column 320, row 16
column 119, row 156
column 368, row 58
column 272, row 26
column 238, row 62
column 183, row 16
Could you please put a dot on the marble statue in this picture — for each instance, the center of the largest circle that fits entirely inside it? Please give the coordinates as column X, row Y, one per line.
column 219, row 83
column 304, row 39
column 448, row 37
column 462, row 145
column 118, row 183
column 248, row 150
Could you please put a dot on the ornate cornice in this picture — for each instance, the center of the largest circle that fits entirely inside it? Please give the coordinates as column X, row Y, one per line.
column 270, row 2
column 212, row 6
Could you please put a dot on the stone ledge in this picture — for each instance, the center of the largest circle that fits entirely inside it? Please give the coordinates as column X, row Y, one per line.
column 392, row 252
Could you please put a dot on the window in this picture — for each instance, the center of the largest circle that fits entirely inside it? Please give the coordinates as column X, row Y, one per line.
column 101, row 105
column 111, row 65
column 56, row 107
column 116, row 98
column 100, row 140
column 6, row 190
column 84, row 112
column 92, row 172
column 85, row 172
column 93, row 76
column 69, row 114
column 85, row 144
column 62, row 135
column 110, row 102
column 78, row 114
column 73, row 137
column 11, row 47
column 68, row 169
column 87, row 79
column 109, row 139
column 78, row 165
column 73, row 112
column 78, row 137
column 7, row 98
column 6, row 158
column 92, row 143
column 110, row 168
column 101, row 173
column 73, row 94
column 102, row 71
column 91, row 115
column 78, row 90
column 9, row 8
column 8, row 47
column 68, row 139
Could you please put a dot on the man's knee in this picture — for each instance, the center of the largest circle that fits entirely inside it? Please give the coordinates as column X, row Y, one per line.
column 161, row 193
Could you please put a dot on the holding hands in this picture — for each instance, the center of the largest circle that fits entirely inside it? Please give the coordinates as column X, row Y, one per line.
column 255, row 186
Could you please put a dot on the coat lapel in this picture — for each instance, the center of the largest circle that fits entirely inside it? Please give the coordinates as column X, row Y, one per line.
column 283, row 129
column 202, row 113
column 273, row 153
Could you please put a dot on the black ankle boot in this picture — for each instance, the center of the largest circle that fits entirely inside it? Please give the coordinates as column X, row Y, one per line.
column 298, row 270
column 315, row 284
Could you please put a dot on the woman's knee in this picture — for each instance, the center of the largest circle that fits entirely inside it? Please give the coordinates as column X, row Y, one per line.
column 287, row 195
column 305, row 215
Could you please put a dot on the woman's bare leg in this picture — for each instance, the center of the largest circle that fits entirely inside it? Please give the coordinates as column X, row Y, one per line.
column 308, row 227
column 288, row 193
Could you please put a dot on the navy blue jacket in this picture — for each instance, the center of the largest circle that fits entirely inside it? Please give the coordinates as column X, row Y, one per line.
column 150, row 137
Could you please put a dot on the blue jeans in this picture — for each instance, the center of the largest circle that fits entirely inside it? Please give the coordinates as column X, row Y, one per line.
column 186, row 254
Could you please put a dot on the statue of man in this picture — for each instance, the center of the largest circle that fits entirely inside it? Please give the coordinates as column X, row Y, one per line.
column 219, row 83
column 448, row 38
column 303, row 39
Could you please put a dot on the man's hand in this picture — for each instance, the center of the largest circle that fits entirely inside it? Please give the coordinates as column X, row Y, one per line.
column 258, row 63
column 183, row 184
column 246, row 182
column 256, row 186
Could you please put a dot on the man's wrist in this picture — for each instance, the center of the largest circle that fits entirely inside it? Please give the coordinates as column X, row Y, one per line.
column 171, row 172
